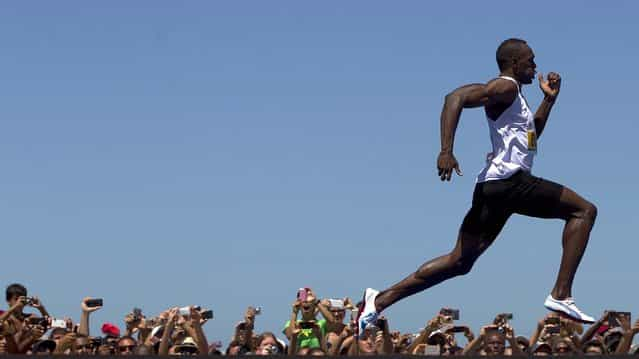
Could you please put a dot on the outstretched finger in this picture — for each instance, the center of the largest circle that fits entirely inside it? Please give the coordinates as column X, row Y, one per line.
column 449, row 174
column 458, row 170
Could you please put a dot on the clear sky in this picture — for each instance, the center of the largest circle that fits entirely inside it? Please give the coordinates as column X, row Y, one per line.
column 161, row 153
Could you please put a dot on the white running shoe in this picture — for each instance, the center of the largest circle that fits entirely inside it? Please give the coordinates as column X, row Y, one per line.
column 568, row 307
column 367, row 312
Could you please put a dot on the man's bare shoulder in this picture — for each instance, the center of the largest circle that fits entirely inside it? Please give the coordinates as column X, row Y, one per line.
column 501, row 90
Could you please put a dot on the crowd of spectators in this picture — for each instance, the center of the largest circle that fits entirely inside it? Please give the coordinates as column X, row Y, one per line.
column 315, row 327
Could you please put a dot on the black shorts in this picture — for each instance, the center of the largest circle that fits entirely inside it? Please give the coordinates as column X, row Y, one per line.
column 522, row 193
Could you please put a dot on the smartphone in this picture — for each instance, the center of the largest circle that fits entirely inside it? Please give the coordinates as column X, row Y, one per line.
column 613, row 317
column 207, row 314
column 383, row 324
column 552, row 321
column 95, row 302
column 185, row 311
column 458, row 329
column 307, row 325
column 58, row 323
column 337, row 304
column 302, row 294
column 137, row 314
column 506, row 316
column 553, row 329
column 449, row 312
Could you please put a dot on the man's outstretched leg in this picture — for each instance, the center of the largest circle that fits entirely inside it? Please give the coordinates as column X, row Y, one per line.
column 537, row 197
column 580, row 216
column 481, row 226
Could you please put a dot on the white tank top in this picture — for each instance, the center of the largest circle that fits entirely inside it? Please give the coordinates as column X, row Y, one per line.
column 514, row 140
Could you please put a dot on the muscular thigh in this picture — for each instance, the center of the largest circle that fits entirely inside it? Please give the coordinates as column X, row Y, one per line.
column 538, row 197
column 484, row 220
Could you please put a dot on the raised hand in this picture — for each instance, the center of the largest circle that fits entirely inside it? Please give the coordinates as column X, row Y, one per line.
column 19, row 304
column 88, row 309
column 37, row 332
column 173, row 315
column 446, row 163
column 348, row 303
column 36, row 303
column 196, row 317
column 296, row 306
column 551, row 86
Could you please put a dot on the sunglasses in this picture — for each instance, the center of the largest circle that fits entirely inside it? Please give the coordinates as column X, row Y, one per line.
column 124, row 348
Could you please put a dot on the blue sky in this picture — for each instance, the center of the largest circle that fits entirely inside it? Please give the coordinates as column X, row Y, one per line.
column 163, row 153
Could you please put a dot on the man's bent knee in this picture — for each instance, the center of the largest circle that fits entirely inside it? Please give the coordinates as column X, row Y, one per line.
column 463, row 266
column 589, row 212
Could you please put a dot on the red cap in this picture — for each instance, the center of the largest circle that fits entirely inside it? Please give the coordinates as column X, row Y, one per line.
column 110, row 330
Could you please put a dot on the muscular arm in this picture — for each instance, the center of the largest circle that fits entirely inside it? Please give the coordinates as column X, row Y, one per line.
column 541, row 116
column 550, row 88
column 495, row 92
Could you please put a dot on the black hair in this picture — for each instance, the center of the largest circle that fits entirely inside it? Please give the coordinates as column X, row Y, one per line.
column 16, row 290
column 507, row 51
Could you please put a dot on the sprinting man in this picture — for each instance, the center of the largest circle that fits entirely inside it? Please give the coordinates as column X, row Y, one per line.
column 505, row 186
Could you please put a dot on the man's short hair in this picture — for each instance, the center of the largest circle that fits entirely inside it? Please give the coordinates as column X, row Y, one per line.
column 16, row 290
column 507, row 51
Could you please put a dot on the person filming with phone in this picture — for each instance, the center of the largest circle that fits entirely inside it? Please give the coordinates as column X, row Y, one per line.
column 308, row 331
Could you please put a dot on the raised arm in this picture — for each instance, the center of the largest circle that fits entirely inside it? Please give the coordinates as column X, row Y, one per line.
column 550, row 88
column 496, row 92
column 84, row 317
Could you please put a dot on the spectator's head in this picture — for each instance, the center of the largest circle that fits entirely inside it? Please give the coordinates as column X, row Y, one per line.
column 3, row 345
column 523, row 343
column 57, row 334
column 316, row 352
column 43, row 347
column 82, row 345
column 126, row 345
column 594, row 347
column 366, row 342
column 562, row 346
column 214, row 348
column 267, row 344
column 236, row 348
column 494, row 343
column 143, row 350
column 303, row 352
column 187, row 347
column 542, row 349
column 339, row 312
column 308, row 304
column 15, row 291
column 449, row 348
